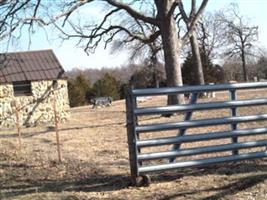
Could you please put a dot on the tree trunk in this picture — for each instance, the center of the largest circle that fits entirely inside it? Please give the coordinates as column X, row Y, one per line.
column 171, row 49
column 197, row 57
column 244, row 65
column 154, row 63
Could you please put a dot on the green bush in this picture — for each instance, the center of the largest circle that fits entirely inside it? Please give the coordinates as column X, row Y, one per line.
column 212, row 73
column 147, row 77
column 106, row 86
column 78, row 89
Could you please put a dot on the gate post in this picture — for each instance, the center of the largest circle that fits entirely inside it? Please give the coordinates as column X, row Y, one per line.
column 131, row 135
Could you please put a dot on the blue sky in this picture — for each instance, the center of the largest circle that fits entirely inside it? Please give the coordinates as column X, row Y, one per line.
column 74, row 57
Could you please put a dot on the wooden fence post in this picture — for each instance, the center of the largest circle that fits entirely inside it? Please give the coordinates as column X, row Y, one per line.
column 56, row 119
column 17, row 113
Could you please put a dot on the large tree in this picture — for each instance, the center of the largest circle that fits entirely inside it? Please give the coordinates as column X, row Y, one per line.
column 195, row 49
column 63, row 15
column 240, row 35
column 211, row 36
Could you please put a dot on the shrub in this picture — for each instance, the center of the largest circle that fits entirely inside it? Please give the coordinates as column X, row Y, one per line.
column 212, row 73
column 78, row 89
column 106, row 86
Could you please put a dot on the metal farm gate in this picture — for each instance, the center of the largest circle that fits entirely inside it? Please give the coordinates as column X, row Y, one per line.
column 143, row 162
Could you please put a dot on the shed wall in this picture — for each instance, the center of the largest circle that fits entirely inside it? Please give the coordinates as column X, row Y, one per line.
column 36, row 109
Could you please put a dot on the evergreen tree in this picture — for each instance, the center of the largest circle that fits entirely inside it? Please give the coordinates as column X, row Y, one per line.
column 262, row 68
column 147, row 77
column 78, row 89
column 106, row 86
column 212, row 73
column 188, row 73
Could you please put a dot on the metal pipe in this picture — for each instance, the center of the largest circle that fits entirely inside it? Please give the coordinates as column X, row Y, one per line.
column 201, row 150
column 202, row 162
column 131, row 134
column 199, row 123
column 200, row 137
column 197, row 89
column 200, row 106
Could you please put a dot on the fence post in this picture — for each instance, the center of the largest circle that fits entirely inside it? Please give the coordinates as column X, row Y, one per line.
column 56, row 119
column 17, row 113
column 234, row 125
column 131, row 135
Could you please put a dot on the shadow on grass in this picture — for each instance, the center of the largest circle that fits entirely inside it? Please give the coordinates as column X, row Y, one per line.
column 102, row 182
column 89, row 184
column 239, row 185
column 231, row 168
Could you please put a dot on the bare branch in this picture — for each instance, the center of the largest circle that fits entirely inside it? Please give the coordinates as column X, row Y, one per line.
column 70, row 11
column 193, row 8
column 193, row 20
column 133, row 13
column 182, row 12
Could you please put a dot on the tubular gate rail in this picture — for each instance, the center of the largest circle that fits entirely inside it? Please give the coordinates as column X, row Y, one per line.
column 140, row 163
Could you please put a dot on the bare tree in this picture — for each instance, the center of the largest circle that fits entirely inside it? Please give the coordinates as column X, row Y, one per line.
column 189, row 19
column 149, row 54
column 210, row 35
column 240, row 36
column 27, row 13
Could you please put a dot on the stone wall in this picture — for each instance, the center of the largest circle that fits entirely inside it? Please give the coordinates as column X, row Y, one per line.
column 36, row 109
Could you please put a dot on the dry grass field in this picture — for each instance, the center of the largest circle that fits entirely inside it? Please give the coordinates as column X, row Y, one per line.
column 95, row 161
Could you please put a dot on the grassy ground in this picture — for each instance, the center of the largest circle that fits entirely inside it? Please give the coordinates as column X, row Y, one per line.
column 95, row 161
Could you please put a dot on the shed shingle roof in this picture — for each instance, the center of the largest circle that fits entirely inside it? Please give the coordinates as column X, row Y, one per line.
column 29, row 66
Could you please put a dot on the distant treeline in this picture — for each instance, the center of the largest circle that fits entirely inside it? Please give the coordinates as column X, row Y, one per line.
column 89, row 83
